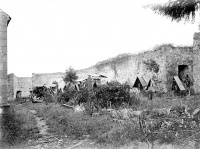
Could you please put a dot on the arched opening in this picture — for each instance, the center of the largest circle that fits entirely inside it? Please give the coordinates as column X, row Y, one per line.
column 19, row 94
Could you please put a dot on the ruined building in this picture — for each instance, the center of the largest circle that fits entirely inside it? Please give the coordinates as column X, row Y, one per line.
column 172, row 61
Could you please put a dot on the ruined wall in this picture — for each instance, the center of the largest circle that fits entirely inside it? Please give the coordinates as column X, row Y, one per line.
column 196, row 58
column 126, row 68
column 12, row 86
column 123, row 68
column 23, row 84
column 175, row 57
column 48, row 79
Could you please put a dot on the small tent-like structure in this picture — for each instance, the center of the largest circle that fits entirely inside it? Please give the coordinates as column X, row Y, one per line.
column 140, row 83
column 152, row 85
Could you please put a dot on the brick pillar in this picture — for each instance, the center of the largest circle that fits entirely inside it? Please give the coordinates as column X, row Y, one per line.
column 4, row 20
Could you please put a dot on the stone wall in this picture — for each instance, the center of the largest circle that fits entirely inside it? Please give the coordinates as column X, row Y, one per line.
column 25, row 86
column 126, row 68
column 196, row 58
column 4, row 20
column 123, row 68
column 48, row 79
column 15, row 84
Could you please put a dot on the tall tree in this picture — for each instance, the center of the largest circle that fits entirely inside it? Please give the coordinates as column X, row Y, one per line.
column 177, row 10
column 70, row 75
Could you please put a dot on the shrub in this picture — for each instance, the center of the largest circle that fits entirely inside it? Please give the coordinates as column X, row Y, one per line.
column 67, row 95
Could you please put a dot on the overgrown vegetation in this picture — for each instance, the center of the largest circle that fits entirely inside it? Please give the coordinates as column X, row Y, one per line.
column 113, row 116
column 151, row 65
column 70, row 76
column 17, row 127
column 114, row 61
column 102, row 129
column 109, row 95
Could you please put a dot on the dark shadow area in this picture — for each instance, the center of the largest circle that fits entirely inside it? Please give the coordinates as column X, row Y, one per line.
column 13, row 131
column 10, row 128
column 182, row 69
column 18, row 94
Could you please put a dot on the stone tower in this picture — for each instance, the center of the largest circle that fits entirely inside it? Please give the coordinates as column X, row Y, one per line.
column 4, row 21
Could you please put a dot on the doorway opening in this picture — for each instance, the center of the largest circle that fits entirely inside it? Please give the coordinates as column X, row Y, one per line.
column 182, row 71
column 19, row 94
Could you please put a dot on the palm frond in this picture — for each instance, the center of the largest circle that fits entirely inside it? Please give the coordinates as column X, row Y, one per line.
column 177, row 10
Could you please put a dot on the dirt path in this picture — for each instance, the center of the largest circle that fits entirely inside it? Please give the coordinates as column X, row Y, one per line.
column 50, row 141
column 41, row 123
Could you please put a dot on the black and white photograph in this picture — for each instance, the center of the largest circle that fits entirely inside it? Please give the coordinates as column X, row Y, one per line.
column 99, row 74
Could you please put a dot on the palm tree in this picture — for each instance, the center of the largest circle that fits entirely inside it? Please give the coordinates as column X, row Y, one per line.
column 177, row 10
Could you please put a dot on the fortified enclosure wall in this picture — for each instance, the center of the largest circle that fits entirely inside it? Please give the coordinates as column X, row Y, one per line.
column 4, row 20
column 126, row 68
column 123, row 68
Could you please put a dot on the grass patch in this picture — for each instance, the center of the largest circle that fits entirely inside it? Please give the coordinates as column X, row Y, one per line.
column 79, row 125
column 17, row 126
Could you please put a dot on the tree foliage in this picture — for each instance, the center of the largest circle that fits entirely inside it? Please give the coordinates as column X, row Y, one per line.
column 70, row 76
column 177, row 10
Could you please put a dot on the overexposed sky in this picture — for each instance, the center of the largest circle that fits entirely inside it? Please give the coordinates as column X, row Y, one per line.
column 47, row 36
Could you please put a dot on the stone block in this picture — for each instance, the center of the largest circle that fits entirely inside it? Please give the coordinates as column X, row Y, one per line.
column 4, row 95
column 3, row 43
column 1, row 66
column 3, row 74
column 3, row 28
column 4, row 50
column 5, row 65
column 3, row 58
column 3, row 88
column 3, row 35
column 3, row 82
